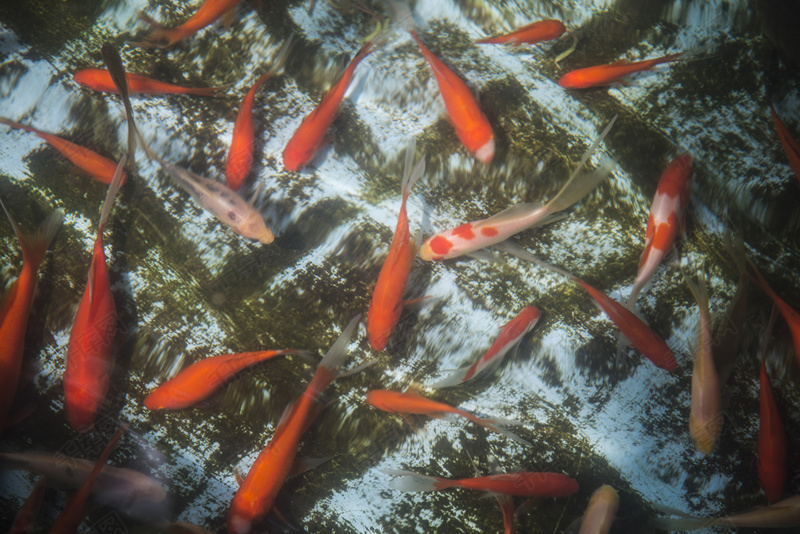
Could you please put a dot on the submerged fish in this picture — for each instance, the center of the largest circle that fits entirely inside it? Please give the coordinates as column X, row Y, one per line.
column 209, row 12
column 100, row 80
column 536, row 32
column 24, row 522
column 790, row 146
column 607, row 74
column 600, row 511
column 772, row 444
column 524, row 484
column 785, row 513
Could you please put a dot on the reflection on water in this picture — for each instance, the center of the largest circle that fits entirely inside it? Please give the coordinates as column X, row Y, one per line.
column 186, row 288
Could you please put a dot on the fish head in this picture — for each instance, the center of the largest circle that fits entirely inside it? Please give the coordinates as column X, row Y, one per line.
column 254, row 227
column 485, row 152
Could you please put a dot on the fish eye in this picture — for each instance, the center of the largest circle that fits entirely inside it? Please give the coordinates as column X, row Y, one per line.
column 232, row 216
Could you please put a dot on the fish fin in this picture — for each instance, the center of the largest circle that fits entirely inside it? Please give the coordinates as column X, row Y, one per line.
column 410, row 176
column 563, row 55
column 496, row 424
column 400, row 14
column 357, row 369
column 34, row 248
column 485, row 255
column 227, row 18
column 455, row 378
column 697, row 285
column 238, row 475
column 256, row 193
column 301, row 465
column 415, row 301
column 151, row 21
column 411, row 421
column 113, row 188
column 522, row 254
column 575, row 190
column 336, row 355
column 411, row 481
column 283, row 54
column 117, row 70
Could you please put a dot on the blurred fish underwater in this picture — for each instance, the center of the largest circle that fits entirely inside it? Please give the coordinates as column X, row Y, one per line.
column 186, row 287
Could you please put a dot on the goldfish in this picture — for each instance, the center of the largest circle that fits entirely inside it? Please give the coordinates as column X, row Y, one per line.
column 71, row 517
column 386, row 304
column 523, row 484
column 607, row 74
column 471, row 125
column 89, row 161
column 23, row 523
column 89, row 358
column 209, row 12
column 667, row 215
column 631, row 327
column 536, row 32
column 412, row 403
column 308, row 137
column 256, row 493
column 600, row 512
column 785, row 513
column 790, row 146
column 705, row 418
column 201, row 379
column 100, row 80
column 240, row 155
column 772, row 444
column 472, row 236
column 15, row 306
column 511, row 334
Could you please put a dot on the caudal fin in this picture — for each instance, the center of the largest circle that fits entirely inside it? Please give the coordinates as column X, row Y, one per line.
column 113, row 189
column 410, row 176
column 34, row 247
column 336, row 355
column 455, row 378
column 411, row 481
column 496, row 424
column 117, row 70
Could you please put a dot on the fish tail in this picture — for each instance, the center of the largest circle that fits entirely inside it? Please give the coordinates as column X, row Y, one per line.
column 34, row 247
column 115, row 67
column 113, row 188
column 410, row 176
column 12, row 124
column 698, row 288
column 668, row 58
column 336, row 355
column 457, row 377
column 496, row 424
column 411, row 481
column 277, row 64
column 519, row 252
column 211, row 91
column 400, row 14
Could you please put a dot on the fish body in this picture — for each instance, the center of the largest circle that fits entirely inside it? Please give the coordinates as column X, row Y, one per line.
column 607, row 74
column 511, row 334
column 308, row 137
column 100, row 80
column 789, row 314
column 201, row 379
column 90, row 162
column 772, row 443
column 24, row 522
column 15, row 307
column 665, row 220
column 524, row 484
column 536, row 32
column 471, row 125
column 207, row 14
column 600, row 512
column 790, row 146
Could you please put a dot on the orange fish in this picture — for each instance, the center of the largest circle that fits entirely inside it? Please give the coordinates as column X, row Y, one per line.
column 70, row 518
column 162, row 37
column 15, row 306
column 240, row 155
column 201, row 379
column 537, row 32
column 100, row 80
column 90, row 162
column 524, row 484
column 772, row 445
column 607, row 74
column 309, row 135
column 89, row 359
column 790, row 146
column 23, row 523
column 412, row 403
column 472, row 127
column 256, row 493
column 386, row 304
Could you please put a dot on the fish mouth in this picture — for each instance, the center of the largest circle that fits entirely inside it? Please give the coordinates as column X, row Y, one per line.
column 485, row 153
column 266, row 237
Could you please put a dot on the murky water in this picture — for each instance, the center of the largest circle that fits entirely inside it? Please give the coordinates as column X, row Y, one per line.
column 187, row 288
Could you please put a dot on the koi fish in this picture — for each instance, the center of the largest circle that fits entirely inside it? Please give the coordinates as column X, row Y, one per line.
column 100, row 80
column 523, row 484
column 411, row 403
column 667, row 215
column 240, row 155
column 785, row 513
column 209, row 12
column 89, row 358
column 15, row 306
column 631, row 327
column 23, row 523
column 201, row 379
column 607, row 74
column 600, row 512
column 386, row 304
column 90, row 162
column 473, row 236
column 511, row 334
column 790, row 146
column 705, row 418
column 308, row 137
column 471, row 125
column 537, row 32
column 71, row 517
column 256, row 493
column 772, row 445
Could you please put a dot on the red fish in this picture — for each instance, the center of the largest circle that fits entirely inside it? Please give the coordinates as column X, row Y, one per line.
column 100, row 80
column 309, row 135
column 772, row 445
column 607, row 74
column 790, row 146
column 15, row 306
column 386, row 304
column 411, row 403
column 666, row 218
column 256, row 494
column 524, row 484
column 210, row 11
column 240, row 155
column 201, row 379
column 89, row 358
column 90, row 162
column 472, row 127
column 543, row 30
column 72, row 515
column 23, row 524
column 511, row 334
